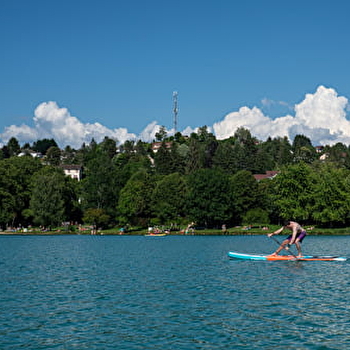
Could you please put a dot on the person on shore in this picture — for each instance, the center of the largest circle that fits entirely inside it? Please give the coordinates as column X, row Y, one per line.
column 296, row 237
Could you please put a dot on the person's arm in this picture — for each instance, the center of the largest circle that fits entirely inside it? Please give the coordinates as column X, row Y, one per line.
column 276, row 232
column 294, row 234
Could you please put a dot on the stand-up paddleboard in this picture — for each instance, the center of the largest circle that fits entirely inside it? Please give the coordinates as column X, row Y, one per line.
column 242, row 256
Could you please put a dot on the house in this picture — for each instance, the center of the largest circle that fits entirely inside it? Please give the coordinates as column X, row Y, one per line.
column 30, row 153
column 157, row 145
column 74, row 171
column 319, row 149
column 268, row 175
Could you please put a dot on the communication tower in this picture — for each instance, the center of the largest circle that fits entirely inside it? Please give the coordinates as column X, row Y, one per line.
column 175, row 111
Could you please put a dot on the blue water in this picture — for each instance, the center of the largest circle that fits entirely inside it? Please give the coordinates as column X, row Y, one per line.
column 119, row 292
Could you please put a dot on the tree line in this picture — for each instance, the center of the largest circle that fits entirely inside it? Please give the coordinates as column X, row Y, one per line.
column 188, row 179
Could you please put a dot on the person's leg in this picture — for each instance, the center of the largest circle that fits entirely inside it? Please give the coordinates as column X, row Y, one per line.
column 298, row 241
column 298, row 245
column 282, row 246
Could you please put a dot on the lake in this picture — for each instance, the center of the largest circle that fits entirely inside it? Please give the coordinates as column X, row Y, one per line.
column 174, row 292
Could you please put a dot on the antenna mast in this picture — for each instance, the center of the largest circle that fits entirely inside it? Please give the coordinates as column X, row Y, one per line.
column 175, row 111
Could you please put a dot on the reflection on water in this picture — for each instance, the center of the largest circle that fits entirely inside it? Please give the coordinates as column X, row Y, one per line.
column 83, row 292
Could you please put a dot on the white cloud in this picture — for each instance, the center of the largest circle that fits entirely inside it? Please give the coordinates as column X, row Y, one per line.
column 188, row 131
column 324, row 110
column 23, row 133
column 252, row 119
column 321, row 116
column 149, row 132
column 51, row 121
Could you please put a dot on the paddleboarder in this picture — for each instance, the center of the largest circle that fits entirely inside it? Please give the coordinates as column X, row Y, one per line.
column 296, row 237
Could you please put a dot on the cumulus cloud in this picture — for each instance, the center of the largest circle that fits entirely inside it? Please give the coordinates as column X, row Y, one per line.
column 23, row 133
column 249, row 118
column 188, row 131
column 321, row 116
column 51, row 121
column 149, row 132
column 327, row 111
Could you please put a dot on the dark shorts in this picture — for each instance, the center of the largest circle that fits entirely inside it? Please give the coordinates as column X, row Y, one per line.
column 301, row 235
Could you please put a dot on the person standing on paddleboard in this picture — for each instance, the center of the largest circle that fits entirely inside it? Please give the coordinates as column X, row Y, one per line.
column 296, row 237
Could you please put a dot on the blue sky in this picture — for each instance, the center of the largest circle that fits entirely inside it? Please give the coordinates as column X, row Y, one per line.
column 117, row 63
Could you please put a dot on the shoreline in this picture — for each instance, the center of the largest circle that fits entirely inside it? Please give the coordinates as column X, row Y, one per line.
column 139, row 233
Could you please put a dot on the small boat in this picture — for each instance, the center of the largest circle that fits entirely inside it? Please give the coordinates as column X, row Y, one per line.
column 261, row 257
column 155, row 235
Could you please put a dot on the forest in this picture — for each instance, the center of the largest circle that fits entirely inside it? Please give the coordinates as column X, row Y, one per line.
column 175, row 180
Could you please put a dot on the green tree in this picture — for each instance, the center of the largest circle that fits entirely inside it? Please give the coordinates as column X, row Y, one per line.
column 179, row 138
column 301, row 141
column 292, row 192
column 225, row 157
column 97, row 218
column 168, row 160
column 182, row 151
column 169, row 198
column 43, row 145
column 208, row 152
column 244, row 192
column 127, row 147
column 163, row 160
column 256, row 216
column 98, row 186
column 203, row 146
column 26, row 168
column 208, row 200
column 69, row 156
column 193, row 161
column 109, row 146
column 245, row 150
column 71, row 197
column 338, row 154
column 134, row 205
column 177, row 160
column 5, row 153
column 278, row 152
column 8, row 189
column 47, row 201
column 264, row 199
column 141, row 148
column 331, row 195
column 13, row 146
column 161, row 134
column 53, row 155
column 15, row 179
column 303, row 149
column 127, row 164
column 7, row 208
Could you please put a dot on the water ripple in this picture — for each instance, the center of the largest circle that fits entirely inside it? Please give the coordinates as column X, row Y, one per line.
column 77, row 292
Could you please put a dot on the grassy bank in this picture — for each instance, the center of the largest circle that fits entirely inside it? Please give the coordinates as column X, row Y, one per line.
column 241, row 230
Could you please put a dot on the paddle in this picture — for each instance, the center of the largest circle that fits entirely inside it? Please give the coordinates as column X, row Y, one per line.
column 288, row 250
